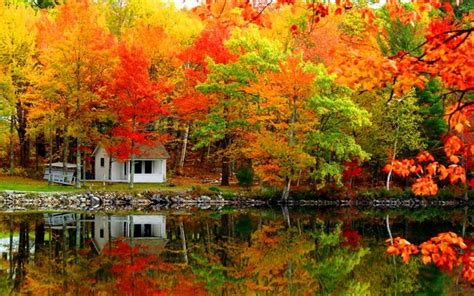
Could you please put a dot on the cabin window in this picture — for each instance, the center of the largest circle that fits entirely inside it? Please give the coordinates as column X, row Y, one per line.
column 148, row 167
column 142, row 230
column 147, row 230
column 137, row 230
column 102, row 162
column 125, row 168
column 138, row 167
column 101, row 233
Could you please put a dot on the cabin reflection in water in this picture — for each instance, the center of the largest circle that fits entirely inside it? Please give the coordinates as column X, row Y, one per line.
column 148, row 231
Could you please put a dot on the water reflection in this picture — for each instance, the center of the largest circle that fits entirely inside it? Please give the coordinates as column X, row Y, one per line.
column 226, row 252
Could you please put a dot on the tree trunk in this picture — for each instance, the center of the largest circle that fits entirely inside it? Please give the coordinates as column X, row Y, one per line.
column 10, row 220
column 12, row 147
column 290, row 278
column 110, row 168
column 463, row 164
column 183, row 242
column 24, row 151
column 40, row 149
column 183, row 147
column 132, row 170
column 21, row 125
column 22, row 255
column 286, row 215
column 387, row 222
column 132, row 245
column 465, row 222
column 65, row 153
column 50, row 158
column 78, row 162
column 225, row 179
column 286, row 190
column 109, row 230
column 79, row 123
column 389, row 176
column 202, row 157
column 39, row 240
column 78, row 236
column 132, row 160
column 291, row 141
column 84, row 166
column 64, row 251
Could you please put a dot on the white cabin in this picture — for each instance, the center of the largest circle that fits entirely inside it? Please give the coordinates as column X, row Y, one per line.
column 150, row 166
column 146, row 230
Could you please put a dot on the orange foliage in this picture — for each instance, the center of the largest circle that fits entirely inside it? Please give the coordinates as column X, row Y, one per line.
column 425, row 186
column 185, row 285
column 452, row 146
column 424, row 156
column 191, row 104
column 447, row 53
column 457, row 116
column 281, row 112
column 323, row 41
column 441, row 250
column 446, row 250
column 134, row 99
column 225, row 11
column 425, row 183
column 131, row 269
column 402, row 247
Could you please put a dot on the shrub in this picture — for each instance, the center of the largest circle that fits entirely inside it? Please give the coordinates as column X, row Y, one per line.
column 470, row 194
column 270, row 192
column 245, row 176
column 229, row 195
column 214, row 188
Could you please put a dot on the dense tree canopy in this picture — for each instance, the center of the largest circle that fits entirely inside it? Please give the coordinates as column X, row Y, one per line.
column 292, row 90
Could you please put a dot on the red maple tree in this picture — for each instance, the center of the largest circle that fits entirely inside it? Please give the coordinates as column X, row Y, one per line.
column 136, row 105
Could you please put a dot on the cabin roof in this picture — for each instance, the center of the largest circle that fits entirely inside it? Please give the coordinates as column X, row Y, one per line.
column 147, row 152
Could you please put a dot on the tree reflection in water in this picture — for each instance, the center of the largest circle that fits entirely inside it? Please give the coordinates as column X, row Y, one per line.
column 226, row 252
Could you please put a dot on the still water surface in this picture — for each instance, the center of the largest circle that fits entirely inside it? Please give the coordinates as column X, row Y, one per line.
column 224, row 252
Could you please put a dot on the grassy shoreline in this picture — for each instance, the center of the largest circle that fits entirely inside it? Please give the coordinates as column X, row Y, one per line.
column 23, row 184
column 14, row 183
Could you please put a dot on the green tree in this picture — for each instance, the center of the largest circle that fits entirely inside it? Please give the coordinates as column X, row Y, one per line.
column 226, row 122
column 396, row 130
column 303, row 121
column 432, row 111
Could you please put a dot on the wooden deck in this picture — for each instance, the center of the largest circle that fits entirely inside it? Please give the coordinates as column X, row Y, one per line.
column 60, row 178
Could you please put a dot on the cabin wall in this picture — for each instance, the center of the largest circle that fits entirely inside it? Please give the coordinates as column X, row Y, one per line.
column 120, row 225
column 101, row 172
column 158, row 175
column 101, row 231
column 118, row 172
column 163, row 165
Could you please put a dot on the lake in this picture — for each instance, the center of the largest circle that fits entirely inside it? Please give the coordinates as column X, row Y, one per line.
column 226, row 251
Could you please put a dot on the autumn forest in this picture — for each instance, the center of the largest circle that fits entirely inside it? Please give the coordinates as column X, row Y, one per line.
column 289, row 94
column 236, row 147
